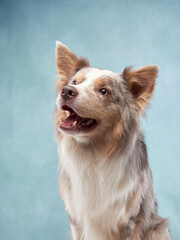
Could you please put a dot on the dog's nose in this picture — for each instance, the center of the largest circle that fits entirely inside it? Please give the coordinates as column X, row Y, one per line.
column 68, row 92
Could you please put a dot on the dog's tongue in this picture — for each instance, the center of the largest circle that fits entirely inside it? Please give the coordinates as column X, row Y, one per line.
column 71, row 119
column 72, row 122
column 75, row 122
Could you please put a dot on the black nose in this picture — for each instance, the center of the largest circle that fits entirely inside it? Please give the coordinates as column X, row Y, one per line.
column 68, row 92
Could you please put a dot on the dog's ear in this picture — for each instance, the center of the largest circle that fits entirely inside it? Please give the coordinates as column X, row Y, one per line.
column 141, row 83
column 67, row 62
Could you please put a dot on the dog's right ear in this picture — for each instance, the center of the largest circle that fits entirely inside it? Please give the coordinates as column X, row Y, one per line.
column 67, row 62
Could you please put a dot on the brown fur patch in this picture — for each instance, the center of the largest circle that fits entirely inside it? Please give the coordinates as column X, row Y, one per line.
column 116, row 136
column 100, row 82
column 132, row 200
column 108, row 142
column 68, row 64
column 80, row 77
column 141, row 83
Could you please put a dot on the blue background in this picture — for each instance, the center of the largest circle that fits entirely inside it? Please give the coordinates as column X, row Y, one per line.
column 113, row 34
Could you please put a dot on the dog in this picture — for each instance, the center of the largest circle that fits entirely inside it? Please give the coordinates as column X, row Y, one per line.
column 105, row 179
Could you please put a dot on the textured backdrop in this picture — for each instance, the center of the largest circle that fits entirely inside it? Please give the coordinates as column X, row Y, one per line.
column 113, row 34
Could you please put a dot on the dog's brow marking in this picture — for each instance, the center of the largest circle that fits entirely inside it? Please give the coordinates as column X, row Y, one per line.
column 80, row 77
column 99, row 82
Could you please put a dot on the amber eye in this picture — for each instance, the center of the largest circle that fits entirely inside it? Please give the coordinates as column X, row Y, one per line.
column 104, row 91
column 74, row 82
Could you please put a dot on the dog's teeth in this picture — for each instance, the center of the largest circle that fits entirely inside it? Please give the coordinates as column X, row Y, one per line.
column 74, row 124
column 89, row 122
column 83, row 123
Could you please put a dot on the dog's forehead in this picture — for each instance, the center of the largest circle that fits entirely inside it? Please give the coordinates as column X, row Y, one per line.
column 90, row 75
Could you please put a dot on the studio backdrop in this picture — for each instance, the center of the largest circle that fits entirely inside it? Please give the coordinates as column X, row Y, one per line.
column 113, row 35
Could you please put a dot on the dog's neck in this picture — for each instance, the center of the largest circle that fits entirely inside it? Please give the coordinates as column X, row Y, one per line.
column 128, row 146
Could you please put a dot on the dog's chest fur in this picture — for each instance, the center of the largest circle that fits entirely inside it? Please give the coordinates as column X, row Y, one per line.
column 99, row 188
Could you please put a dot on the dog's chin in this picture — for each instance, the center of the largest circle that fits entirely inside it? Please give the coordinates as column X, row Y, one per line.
column 75, row 124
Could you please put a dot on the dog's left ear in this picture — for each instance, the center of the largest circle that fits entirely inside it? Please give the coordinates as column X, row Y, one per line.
column 141, row 83
column 68, row 63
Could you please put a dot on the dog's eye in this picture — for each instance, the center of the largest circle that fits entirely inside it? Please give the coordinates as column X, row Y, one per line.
column 104, row 91
column 74, row 82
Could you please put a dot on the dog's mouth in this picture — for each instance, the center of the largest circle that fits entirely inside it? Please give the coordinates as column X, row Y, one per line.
column 74, row 122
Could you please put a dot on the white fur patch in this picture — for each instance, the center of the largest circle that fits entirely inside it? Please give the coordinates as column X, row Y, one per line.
column 100, row 189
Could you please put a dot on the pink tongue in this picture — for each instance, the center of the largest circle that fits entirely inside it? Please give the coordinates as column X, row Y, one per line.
column 71, row 119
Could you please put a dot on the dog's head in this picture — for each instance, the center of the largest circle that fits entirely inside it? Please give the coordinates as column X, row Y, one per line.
column 97, row 101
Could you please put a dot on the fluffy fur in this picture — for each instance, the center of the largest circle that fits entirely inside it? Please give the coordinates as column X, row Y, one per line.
column 105, row 179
